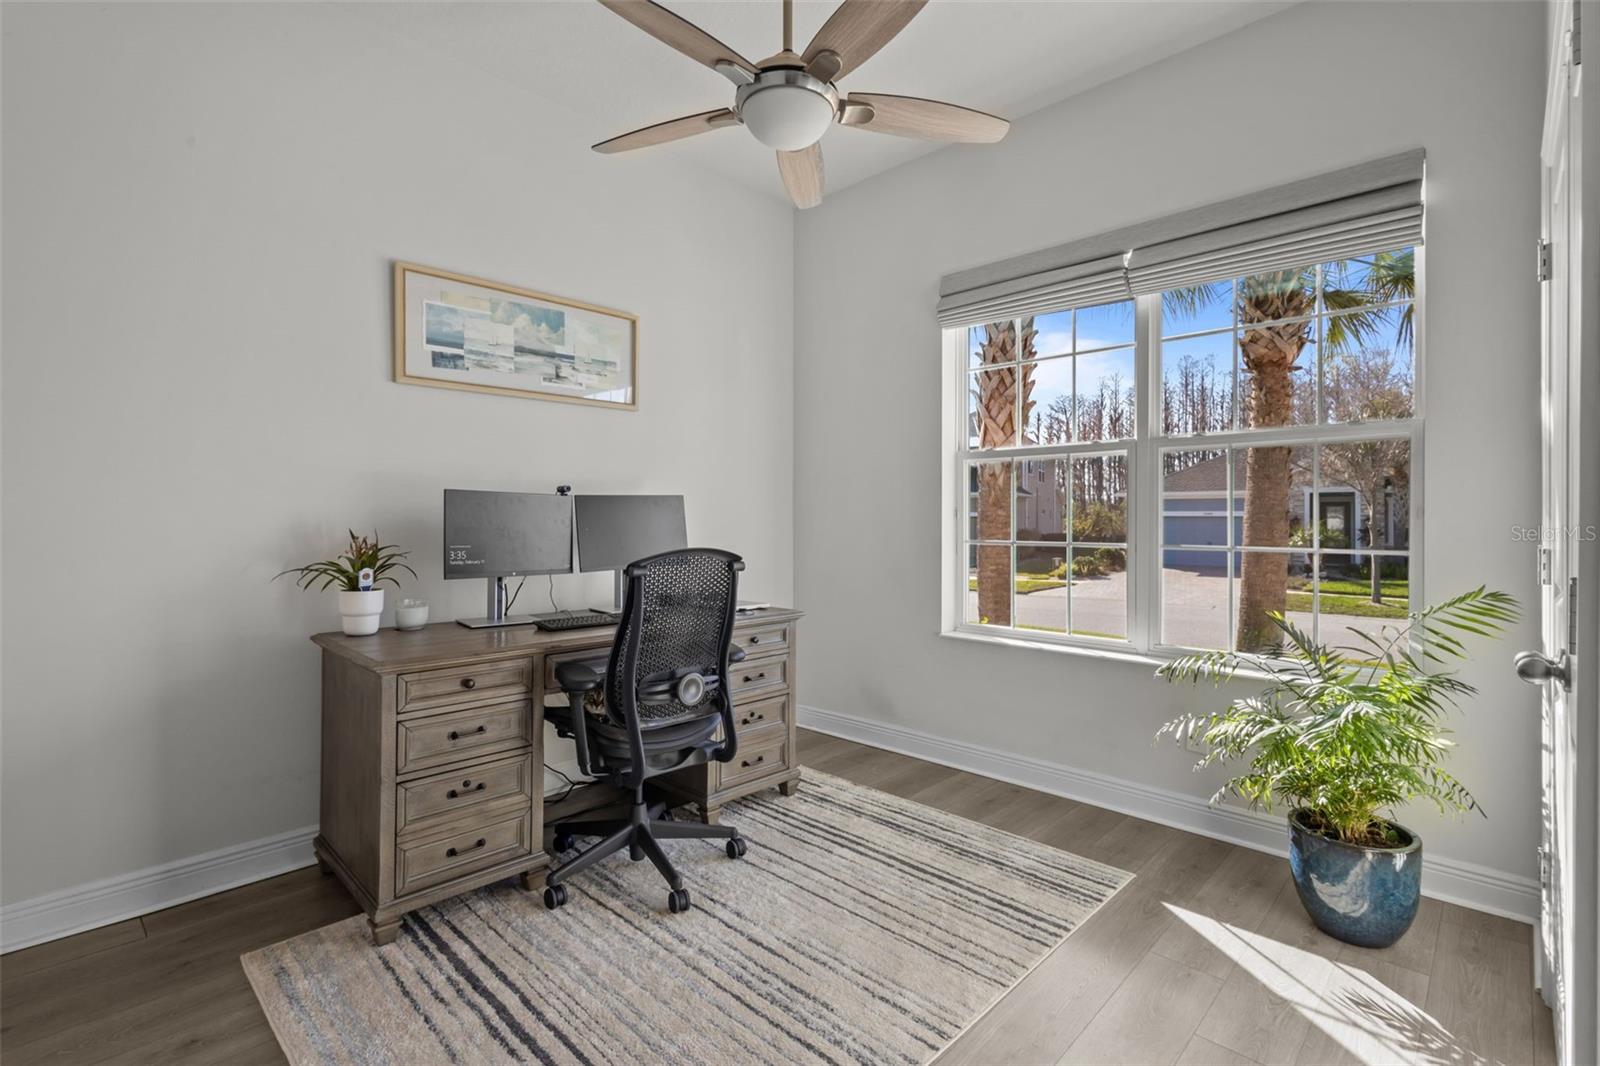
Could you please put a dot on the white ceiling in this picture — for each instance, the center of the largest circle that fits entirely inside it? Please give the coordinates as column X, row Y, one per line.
column 1008, row 57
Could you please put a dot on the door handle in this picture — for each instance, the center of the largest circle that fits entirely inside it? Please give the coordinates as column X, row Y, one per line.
column 1536, row 668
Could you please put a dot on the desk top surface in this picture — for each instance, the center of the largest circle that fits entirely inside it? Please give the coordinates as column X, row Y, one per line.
column 445, row 643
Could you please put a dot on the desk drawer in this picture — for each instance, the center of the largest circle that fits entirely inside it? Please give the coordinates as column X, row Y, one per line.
column 497, row 839
column 508, row 679
column 758, row 676
column 427, row 801
column 758, row 639
column 756, row 759
column 752, row 719
column 467, row 733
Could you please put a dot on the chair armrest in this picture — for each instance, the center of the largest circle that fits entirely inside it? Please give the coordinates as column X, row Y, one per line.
column 577, row 681
column 577, row 677
column 735, row 654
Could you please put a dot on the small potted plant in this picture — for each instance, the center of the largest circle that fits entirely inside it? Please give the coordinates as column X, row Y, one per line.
column 357, row 573
column 1340, row 734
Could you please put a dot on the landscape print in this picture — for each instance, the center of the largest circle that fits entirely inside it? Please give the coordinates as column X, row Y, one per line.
column 479, row 334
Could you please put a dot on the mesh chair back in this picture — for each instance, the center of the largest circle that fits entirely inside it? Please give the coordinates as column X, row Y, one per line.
column 677, row 619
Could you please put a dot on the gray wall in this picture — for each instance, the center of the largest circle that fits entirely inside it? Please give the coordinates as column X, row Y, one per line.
column 201, row 203
column 1315, row 88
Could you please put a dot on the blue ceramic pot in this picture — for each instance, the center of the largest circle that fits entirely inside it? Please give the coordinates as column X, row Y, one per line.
column 1364, row 896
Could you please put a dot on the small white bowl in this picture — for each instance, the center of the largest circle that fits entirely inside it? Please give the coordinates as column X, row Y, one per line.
column 411, row 614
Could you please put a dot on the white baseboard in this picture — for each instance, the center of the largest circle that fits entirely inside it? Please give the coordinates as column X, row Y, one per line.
column 1451, row 880
column 114, row 899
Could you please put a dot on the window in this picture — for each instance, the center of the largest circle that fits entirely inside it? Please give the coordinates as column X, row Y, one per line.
column 1055, row 393
column 1165, row 472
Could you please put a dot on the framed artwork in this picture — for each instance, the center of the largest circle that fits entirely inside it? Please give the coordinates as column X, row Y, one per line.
column 458, row 332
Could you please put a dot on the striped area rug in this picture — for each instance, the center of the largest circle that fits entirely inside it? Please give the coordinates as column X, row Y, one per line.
column 861, row 927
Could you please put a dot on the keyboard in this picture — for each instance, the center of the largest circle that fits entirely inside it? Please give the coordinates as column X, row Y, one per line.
column 577, row 620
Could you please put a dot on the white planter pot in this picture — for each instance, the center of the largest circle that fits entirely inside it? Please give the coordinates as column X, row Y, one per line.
column 360, row 612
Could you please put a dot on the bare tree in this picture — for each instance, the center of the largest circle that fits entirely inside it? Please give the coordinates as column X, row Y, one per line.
column 1371, row 385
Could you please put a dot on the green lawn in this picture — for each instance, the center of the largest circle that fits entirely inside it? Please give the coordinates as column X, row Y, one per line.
column 1392, row 588
column 1075, row 632
column 1351, row 606
column 1026, row 583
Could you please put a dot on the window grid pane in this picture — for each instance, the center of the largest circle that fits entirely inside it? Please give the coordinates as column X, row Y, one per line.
column 1027, row 546
column 1264, row 562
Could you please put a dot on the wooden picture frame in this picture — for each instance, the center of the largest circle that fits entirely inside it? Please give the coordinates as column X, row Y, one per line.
column 455, row 331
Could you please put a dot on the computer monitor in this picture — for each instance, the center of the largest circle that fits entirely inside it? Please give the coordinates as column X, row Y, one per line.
column 614, row 531
column 496, row 535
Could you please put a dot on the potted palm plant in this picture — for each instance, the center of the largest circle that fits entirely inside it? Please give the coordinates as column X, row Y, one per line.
column 1342, row 736
column 364, row 565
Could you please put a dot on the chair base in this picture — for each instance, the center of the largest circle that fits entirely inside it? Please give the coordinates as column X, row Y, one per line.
column 641, row 834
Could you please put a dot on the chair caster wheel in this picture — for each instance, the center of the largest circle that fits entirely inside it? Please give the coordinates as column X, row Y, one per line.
column 678, row 900
column 736, row 848
column 562, row 841
column 555, row 896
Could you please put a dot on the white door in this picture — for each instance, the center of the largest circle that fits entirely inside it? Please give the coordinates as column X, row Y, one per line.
column 1564, row 667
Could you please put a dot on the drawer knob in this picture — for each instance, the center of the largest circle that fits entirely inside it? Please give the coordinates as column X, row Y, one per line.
column 758, row 677
column 454, row 735
column 466, row 788
column 757, row 761
column 469, row 682
column 451, row 853
column 754, row 639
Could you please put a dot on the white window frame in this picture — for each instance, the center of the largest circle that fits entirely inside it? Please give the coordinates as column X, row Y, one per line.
column 1145, row 503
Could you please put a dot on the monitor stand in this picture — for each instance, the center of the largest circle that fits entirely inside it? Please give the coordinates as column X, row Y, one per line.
column 618, row 587
column 495, row 604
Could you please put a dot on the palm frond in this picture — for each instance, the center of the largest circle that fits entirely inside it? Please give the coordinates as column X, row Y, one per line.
column 1345, row 739
column 1366, row 300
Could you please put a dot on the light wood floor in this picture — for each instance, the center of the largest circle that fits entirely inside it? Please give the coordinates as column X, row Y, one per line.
column 1205, row 958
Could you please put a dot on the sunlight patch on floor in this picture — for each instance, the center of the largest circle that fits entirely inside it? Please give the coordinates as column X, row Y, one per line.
column 1354, row 1015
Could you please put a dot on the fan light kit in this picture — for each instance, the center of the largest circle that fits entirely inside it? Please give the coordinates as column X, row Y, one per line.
column 789, row 100
column 786, row 109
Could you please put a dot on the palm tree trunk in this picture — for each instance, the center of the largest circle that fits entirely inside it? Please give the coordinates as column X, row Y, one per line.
column 994, row 560
column 1268, row 355
column 1000, row 418
column 1264, row 576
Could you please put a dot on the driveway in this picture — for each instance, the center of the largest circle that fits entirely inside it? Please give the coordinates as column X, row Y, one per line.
column 1194, row 610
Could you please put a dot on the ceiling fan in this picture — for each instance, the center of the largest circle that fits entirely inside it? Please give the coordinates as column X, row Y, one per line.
column 788, row 100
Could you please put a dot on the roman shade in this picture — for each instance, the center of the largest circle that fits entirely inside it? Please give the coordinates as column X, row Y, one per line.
column 1365, row 208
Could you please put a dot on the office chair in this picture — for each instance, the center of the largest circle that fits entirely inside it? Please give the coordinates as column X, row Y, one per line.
column 665, row 695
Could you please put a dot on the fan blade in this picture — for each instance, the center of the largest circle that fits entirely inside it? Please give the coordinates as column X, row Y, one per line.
column 674, row 130
column 676, row 32
column 854, row 33
column 912, row 116
column 802, row 175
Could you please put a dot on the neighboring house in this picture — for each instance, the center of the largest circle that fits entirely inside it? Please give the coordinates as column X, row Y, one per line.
column 1194, row 511
column 1040, row 502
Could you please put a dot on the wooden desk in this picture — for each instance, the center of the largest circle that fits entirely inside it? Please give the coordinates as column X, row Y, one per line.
column 433, row 761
